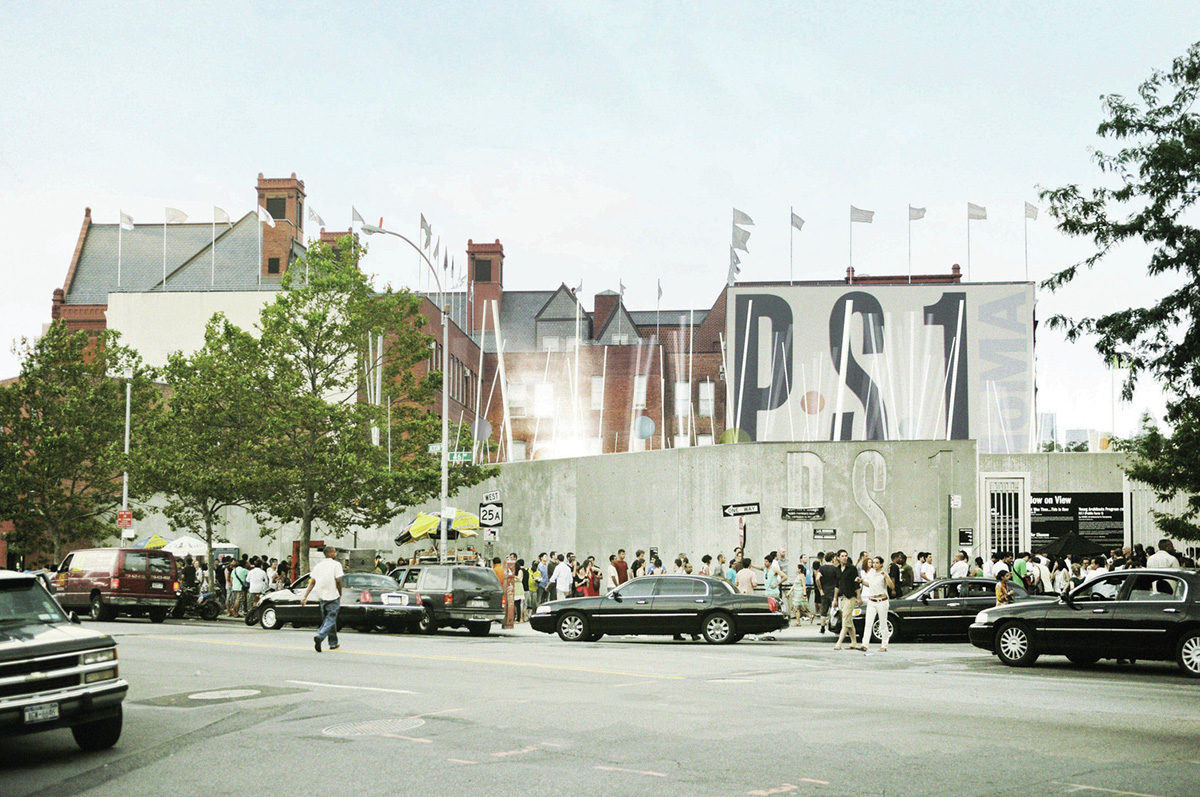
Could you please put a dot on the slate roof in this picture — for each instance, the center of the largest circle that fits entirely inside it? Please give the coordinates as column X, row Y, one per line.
column 647, row 318
column 189, row 260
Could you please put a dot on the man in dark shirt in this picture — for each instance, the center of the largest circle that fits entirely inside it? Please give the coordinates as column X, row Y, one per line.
column 189, row 575
column 826, row 581
column 847, row 594
column 894, row 575
column 622, row 567
column 639, row 565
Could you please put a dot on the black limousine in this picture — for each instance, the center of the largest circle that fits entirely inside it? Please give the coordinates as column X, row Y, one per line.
column 1127, row 614
column 668, row 604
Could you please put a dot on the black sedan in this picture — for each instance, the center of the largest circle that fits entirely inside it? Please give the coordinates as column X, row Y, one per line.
column 369, row 601
column 1128, row 614
column 946, row 607
column 663, row 605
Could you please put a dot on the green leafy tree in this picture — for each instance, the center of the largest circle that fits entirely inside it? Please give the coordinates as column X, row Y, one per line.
column 63, row 438
column 1152, row 183
column 1168, row 466
column 205, row 444
column 317, row 346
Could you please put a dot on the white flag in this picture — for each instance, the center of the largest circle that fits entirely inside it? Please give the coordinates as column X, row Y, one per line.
column 733, row 261
column 174, row 216
column 312, row 216
column 622, row 287
column 425, row 228
column 264, row 217
column 220, row 216
column 740, row 237
column 976, row 211
column 436, row 247
column 660, row 289
column 126, row 221
column 797, row 222
column 915, row 214
column 1030, row 211
column 741, row 218
column 354, row 216
column 863, row 216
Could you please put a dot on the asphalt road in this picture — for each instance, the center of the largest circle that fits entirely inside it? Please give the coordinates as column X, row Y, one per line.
column 219, row 708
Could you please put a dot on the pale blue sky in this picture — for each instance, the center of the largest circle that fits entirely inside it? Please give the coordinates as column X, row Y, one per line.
column 599, row 141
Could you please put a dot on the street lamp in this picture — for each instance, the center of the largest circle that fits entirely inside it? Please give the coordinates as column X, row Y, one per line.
column 371, row 229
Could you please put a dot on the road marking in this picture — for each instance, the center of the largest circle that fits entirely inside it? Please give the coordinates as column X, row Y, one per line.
column 632, row 683
column 363, row 688
column 461, row 761
column 531, row 748
column 730, row 680
column 443, row 711
column 633, row 771
column 1079, row 787
column 407, row 738
column 421, row 657
column 783, row 789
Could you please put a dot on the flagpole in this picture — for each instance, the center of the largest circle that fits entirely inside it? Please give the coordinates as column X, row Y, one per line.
column 213, row 278
column 120, row 229
column 258, row 218
column 164, row 250
column 851, row 272
column 910, row 244
column 1026, row 246
column 968, row 248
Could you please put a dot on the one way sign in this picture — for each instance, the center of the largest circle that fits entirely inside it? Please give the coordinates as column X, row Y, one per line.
column 733, row 510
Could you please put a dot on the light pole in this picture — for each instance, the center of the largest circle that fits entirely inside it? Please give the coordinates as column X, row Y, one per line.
column 444, row 524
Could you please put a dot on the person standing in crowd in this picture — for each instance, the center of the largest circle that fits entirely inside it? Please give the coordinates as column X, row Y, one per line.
column 705, row 565
column 894, row 574
column 561, row 579
column 847, row 593
column 622, row 567
column 520, row 577
column 877, row 585
column 1004, row 590
column 907, row 578
column 326, row 581
column 612, row 579
column 828, row 574
column 928, row 571
column 772, row 578
column 498, row 569
column 285, row 570
column 977, row 568
column 188, row 577
column 543, row 584
column 639, row 564
column 1164, row 556
column 918, row 579
column 533, row 590
column 960, row 568
column 257, row 584
column 746, row 582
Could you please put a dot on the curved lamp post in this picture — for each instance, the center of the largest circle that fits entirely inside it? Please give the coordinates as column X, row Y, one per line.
column 371, row 229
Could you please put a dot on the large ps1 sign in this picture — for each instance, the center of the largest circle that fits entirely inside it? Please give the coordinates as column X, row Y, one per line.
column 883, row 362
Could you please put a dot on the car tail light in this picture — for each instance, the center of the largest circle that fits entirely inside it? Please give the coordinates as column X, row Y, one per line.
column 175, row 586
column 114, row 583
column 503, row 599
column 365, row 597
column 772, row 604
column 448, row 599
column 417, row 598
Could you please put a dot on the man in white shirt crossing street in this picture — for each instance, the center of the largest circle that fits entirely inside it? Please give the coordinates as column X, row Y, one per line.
column 325, row 581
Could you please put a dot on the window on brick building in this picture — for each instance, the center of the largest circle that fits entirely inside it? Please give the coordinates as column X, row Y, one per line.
column 639, row 392
column 299, row 214
column 483, row 270
column 543, row 400
column 277, row 207
column 683, row 396
column 516, row 399
column 550, row 343
column 272, row 265
column 597, row 392
column 704, row 440
column 708, row 399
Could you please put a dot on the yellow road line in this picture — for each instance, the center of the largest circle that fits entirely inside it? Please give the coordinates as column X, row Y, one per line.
column 464, row 659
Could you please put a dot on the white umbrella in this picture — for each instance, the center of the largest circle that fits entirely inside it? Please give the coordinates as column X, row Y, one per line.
column 186, row 545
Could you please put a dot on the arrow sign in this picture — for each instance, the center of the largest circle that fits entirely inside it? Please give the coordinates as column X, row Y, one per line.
column 733, row 510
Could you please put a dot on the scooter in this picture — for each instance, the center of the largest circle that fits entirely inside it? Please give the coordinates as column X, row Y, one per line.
column 206, row 606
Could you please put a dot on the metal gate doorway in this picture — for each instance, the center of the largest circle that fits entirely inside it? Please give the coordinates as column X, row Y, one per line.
column 1005, row 506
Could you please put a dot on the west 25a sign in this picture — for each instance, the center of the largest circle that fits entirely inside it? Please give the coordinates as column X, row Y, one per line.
column 883, row 362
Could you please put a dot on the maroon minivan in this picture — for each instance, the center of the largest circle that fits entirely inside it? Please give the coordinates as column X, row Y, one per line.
column 139, row 582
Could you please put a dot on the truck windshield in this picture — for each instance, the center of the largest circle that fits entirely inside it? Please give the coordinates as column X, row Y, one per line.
column 26, row 600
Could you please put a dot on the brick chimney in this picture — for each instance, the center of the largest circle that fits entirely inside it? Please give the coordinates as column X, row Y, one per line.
column 485, row 281
column 283, row 197
column 603, row 306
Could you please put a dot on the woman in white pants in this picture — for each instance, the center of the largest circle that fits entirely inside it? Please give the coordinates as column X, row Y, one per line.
column 876, row 583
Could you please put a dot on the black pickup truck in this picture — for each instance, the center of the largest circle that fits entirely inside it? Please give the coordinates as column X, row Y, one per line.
column 53, row 672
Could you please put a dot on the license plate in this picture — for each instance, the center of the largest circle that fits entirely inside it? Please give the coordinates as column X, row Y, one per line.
column 393, row 599
column 43, row 712
column 156, row 585
column 477, row 603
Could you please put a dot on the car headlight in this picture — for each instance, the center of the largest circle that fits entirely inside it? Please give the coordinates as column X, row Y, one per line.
column 981, row 618
column 543, row 609
column 96, row 656
column 858, row 612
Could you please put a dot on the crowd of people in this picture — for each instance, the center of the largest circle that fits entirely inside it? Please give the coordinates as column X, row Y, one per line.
column 238, row 583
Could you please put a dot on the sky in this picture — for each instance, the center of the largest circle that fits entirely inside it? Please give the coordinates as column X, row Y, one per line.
column 599, row 141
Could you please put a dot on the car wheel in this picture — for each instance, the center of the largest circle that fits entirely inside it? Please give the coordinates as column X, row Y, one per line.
column 253, row 616
column 572, row 627
column 1014, row 646
column 158, row 615
column 595, row 636
column 718, row 628
column 98, row 735
column 99, row 611
column 1187, row 653
column 210, row 611
column 479, row 629
column 1083, row 659
column 893, row 627
column 427, row 625
column 268, row 618
column 736, row 638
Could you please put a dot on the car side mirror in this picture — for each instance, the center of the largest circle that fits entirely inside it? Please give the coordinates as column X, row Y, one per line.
column 615, row 596
column 1067, row 599
column 74, row 618
column 925, row 598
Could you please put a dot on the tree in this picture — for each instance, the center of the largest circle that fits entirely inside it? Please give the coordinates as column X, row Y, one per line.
column 1168, row 465
column 1155, row 183
column 319, row 345
column 205, row 443
column 64, row 437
